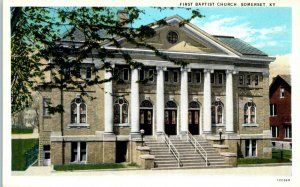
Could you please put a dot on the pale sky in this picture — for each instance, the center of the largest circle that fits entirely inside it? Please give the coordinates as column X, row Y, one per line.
column 268, row 29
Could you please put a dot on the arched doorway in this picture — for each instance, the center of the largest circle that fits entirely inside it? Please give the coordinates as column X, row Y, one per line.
column 170, row 118
column 146, row 117
column 194, row 113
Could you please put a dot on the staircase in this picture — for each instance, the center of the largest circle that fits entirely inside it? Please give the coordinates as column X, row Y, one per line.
column 189, row 158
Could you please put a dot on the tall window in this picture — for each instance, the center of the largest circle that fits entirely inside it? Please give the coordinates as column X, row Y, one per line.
column 220, row 78
column 250, row 148
column 255, row 80
column 121, row 111
column 88, row 72
column 46, row 102
column 250, row 113
column 273, row 110
column 241, row 79
column 198, row 77
column 248, row 80
column 78, row 151
column 142, row 75
column 78, row 111
column 125, row 74
column 274, row 130
column 212, row 78
column 217, row 112
column 189, row 76
column 281, row 92
column 287, row 132
column 151, row 75
column 175, row 76
column 166, row 76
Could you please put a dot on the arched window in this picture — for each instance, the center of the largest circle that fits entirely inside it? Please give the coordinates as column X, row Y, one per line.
column 146, row 104
column 120, row 111
column 250, row 113
column 217, row 112
column 170, row 105
column 78, row 111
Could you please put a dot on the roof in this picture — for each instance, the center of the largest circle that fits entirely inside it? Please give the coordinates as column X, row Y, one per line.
column 235, row 44
column 286, row 78
column 280, row 80
column 240, row 46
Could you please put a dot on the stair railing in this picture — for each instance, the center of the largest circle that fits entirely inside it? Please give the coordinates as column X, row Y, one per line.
column 173, row 150
column 197, row 146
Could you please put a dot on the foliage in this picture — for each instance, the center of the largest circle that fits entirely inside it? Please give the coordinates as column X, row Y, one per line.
column 276, row 154
column 276, row 158
column 21, row 130
column 92, row 166
column 19, row 148
column 38, row 34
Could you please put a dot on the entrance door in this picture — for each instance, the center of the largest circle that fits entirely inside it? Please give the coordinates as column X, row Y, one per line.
column 194, row 122
column 47, row 158
column 170, row 122
column 146, row 121
column 171, row 118
column 194, row 111
column 146, row 116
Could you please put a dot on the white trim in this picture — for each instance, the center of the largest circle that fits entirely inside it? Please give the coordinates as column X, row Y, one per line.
column 250, row 125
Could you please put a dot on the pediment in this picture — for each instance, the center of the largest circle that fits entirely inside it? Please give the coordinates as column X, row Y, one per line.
column 190, row 39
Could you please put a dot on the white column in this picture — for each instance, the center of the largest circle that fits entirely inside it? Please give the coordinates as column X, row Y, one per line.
column 134, row 102
column 184, row 101
column 108, row 103
column 160, row 102
column 229, row 102
column 207, row 102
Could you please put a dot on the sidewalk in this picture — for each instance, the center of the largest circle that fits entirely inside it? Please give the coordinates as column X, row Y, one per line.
column 242, row 171
column 34, row 135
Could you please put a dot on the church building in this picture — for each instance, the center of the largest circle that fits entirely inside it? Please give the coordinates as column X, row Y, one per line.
column 221, row 99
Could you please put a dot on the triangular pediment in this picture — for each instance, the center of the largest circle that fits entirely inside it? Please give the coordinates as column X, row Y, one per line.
column 190, row 39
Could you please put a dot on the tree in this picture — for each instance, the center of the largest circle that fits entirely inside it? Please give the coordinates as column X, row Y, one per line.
column 36, row 34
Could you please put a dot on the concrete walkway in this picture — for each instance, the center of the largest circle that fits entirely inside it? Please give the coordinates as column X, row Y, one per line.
column 241, row 171
column 34, row 135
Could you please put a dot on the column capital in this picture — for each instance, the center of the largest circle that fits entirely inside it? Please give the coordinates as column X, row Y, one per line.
column 231, row 71
column 208, row 71
column 164, row 68
column 185, row 69
column 266, row 74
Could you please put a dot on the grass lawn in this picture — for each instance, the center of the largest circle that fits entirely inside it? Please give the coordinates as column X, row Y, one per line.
column 19, row 148
column 72, row 167
column 276, row 158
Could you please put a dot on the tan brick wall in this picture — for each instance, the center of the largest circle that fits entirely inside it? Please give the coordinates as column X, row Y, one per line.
column 109, row 152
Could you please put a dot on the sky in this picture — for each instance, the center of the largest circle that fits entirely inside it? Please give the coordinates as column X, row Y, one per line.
column 268, row 29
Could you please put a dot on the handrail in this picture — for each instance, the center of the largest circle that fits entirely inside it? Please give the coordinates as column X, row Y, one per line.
column 173, row 149
column 196, row 144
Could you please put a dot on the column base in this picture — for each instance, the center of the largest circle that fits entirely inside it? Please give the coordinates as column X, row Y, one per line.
column 135, row 135
column 109, row 136
column 229, row 132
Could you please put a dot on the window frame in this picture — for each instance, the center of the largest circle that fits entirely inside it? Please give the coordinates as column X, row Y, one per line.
column 77, row 123
column 281, row 92
column 248, row 80
column 196, row 80
column 177, row 76
column 166, row 76
column 190, row 77
column 46, row 102
column 250, row 147
column 273, row 110
column 287, row 132
column 276, row 131
column 128, row 74
column 214, row 113
column 120, row 108
column 151, row 75
column 241, row 78
column 78, row 152
column 249, row 123
column 88, row 73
